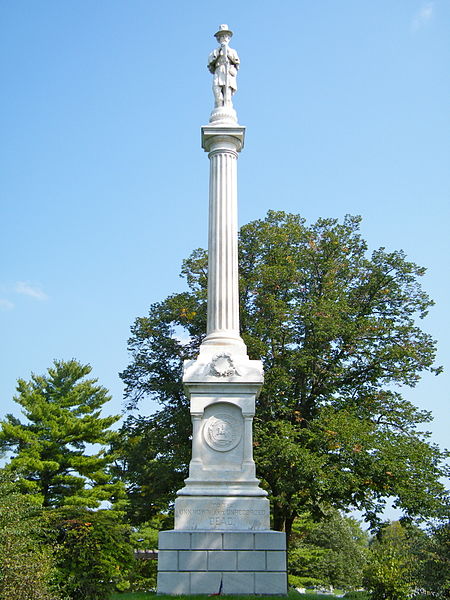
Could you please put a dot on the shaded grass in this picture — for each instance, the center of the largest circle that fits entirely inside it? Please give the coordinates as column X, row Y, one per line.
column 147, row 595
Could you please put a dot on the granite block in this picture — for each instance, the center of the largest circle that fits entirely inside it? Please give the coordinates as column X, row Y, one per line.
column 167, row 560
column 238, row 583
column 193, row 560
column 238, row 540
column 269, row 583
column 270, row 540
column 206, row 541
column 251, row 560
column 173, row 583
column 276, row 560
column 205, row 583
column 174, row 540
column 222, row 560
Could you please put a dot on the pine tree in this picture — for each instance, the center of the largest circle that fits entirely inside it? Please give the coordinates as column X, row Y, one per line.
column 51, row 457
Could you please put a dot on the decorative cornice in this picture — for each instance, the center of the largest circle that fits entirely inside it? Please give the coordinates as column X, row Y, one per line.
column 233, row 135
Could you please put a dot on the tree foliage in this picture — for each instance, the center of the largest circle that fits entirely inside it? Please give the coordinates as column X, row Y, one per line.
column 27, row 569
column 331, row 553
column 432, row 562
column 304, row 556
column 95, row 556
column 49, row 450
column 145, row 538
column 390, row 571
column 152, row 456
column 337, row 331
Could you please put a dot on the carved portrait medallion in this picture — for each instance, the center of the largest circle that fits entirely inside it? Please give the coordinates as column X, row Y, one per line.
column 222, row 432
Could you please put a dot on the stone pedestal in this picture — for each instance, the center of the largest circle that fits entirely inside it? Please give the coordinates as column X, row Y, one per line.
column 222, row 384
column 213, row 562
column 222, row 541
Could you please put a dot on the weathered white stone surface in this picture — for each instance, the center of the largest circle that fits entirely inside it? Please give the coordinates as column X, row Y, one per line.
column 269, row 583
column 223, row 513
column 220, row 364
column 222, row 540
column 234, row 583
column 223, row 145
column 222, row 449
column 202, row 583
column 226, row 562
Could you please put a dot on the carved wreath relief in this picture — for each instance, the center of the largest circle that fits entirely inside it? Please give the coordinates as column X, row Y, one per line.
column 222, row 366
column 222, row 432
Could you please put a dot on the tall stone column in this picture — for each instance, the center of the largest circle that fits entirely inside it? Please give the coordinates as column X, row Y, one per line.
column 222, row 382
column 222, row 542
column 223, row 145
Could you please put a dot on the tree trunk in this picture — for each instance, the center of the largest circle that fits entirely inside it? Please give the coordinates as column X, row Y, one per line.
column 288, row 522
column 278, row 517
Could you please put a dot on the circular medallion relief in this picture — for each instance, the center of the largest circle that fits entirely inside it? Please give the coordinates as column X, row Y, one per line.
column 222, row 432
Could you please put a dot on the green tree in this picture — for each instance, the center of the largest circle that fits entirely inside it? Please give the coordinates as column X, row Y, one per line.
column 151, row 482
column 27, row 570
column 96, row 555
column 332, row 552
column 337, row 331
column 432, row 562
column 145, row 539
column 49, row 450
column 390, row 571
column 302, row 555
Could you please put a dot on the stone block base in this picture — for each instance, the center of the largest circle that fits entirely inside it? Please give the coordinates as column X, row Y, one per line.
column 226, row 562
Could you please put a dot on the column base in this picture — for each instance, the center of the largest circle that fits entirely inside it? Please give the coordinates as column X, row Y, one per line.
column 222, row 562
column 223, row 115
column 223, row 341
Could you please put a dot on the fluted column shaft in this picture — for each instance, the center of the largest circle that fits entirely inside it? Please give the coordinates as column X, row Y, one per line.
column 223, row 145
column 223, row 291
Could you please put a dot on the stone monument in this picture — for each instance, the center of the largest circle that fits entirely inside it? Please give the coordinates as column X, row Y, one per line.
column 222, row 542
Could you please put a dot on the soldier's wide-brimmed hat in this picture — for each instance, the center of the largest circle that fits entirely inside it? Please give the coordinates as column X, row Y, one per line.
column 223, row 30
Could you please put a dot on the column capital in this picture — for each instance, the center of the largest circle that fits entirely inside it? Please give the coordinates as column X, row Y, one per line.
column 215, row 137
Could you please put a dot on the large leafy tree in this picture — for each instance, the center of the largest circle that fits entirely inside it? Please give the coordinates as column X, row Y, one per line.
column 337, row 330
column 405, row 560
column 152, row 454
column 50, row 450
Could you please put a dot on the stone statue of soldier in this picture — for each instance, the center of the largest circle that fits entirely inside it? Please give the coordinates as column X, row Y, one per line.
column 223, row 63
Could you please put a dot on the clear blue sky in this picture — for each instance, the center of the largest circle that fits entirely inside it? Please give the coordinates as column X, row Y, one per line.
column 104, row 184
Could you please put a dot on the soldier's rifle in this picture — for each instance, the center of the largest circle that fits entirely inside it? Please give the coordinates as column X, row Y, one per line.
column 227, row 65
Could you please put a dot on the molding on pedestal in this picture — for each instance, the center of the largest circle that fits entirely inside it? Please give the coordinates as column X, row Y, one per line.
column 219, row 365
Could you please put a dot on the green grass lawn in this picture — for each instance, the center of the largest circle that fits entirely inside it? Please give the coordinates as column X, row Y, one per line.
column 147, row 595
